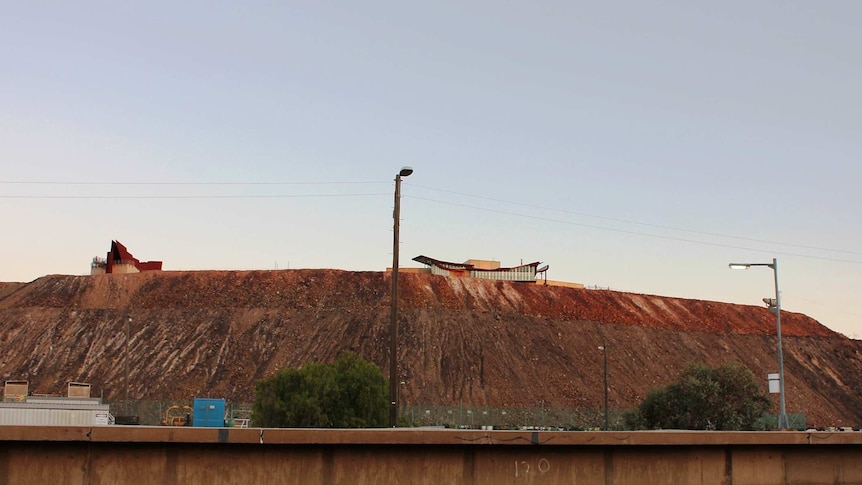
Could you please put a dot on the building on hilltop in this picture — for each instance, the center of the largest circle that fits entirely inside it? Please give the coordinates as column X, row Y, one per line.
column 483, row 269
column 487, row 270
column 120, row 260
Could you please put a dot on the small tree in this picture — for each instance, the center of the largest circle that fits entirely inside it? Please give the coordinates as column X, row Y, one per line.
column 351, row 393
column 721, row 398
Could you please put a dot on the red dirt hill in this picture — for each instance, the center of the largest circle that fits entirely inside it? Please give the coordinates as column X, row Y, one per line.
column 476, row 342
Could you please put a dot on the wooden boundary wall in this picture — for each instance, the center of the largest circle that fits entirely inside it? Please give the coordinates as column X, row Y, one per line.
column 136, row 454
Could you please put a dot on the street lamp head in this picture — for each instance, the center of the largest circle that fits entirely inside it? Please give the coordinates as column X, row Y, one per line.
column 749, row 265
column 405, row 171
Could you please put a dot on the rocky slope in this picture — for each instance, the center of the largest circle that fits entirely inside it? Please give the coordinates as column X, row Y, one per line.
column 482, row 343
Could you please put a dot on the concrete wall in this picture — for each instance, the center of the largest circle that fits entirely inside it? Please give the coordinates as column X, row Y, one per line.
column 124, row 268
column 116, row 454
column 566, row 284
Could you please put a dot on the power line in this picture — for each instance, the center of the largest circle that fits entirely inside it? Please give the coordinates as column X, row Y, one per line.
column 276, row 196
column 624, row 231
column 533, row 206
column 657, row 226
column 186, row 184
column 34, row 182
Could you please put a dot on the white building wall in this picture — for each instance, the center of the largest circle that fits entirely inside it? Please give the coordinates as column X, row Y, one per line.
column 439, row 271
column 71, row 412
column 47, row 417
column 526, row 273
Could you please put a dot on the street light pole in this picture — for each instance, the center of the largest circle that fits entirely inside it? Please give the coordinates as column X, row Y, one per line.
column 126, row 365
column 393, row 320
column 782, row 416
column 775, row 307
column 604, row 349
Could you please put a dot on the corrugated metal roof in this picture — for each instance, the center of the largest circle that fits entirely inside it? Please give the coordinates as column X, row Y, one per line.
column 465, row 266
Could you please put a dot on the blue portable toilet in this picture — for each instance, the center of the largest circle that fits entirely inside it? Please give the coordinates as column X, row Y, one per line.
column 209, row 413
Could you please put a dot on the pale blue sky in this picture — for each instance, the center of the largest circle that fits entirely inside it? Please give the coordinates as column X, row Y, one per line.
column 581, row 134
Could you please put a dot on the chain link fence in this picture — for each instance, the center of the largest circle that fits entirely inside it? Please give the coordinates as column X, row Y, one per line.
column 538, row 417
column 156, row 413
column 794, row 421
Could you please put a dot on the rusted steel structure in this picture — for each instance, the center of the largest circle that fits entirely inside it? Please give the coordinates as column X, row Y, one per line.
column 481, row 269
column 134, row 454
column 120, row 260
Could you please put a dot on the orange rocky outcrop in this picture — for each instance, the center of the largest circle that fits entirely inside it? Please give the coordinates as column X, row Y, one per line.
column 476, row 342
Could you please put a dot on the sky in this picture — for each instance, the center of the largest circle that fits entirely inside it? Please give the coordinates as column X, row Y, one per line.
column 636, row 146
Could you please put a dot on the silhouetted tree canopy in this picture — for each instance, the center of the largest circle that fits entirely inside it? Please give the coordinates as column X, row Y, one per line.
column 350, row 393
column 726, row 398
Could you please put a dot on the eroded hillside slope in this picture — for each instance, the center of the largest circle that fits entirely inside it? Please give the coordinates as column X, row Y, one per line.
column 462, row 341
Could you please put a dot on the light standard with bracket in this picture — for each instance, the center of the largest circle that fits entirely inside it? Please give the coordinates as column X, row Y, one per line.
column 126, row 368
column 604, row 349
column 774, row 305
column 393, row 321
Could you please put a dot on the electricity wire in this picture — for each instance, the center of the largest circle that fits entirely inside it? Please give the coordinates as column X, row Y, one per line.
column 657, row 226
column 258, row 196
column 636, row 233
column 492, row 199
